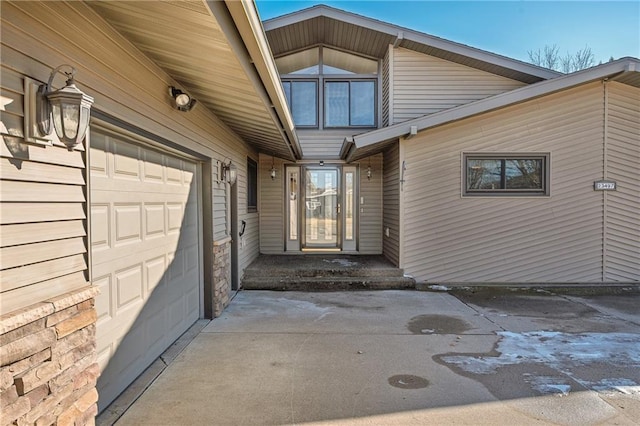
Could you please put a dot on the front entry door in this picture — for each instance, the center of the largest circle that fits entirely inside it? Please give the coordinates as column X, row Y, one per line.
column 321, row 208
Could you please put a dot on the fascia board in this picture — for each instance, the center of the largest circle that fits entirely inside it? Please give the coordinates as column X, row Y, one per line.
column 480, row 55
column 498, row 101
column 250, row 29
column 412, row 35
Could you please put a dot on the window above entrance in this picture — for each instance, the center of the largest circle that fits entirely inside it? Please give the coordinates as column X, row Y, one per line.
column 338, row 86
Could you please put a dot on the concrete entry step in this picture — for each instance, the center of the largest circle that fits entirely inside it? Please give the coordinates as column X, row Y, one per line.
column 324, row 272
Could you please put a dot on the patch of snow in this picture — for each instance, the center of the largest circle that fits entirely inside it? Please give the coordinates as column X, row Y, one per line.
column 549, row 385
column 342, row 262
column 563, row 352
column 439, row 287
column 427, row 331
column 622, row 385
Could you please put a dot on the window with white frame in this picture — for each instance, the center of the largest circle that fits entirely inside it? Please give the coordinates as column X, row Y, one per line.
column 506, row 174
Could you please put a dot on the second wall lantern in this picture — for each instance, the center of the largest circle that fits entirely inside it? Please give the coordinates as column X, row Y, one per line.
column 68, row 107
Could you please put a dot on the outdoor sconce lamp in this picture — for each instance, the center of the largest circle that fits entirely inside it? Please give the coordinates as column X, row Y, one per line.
column 183, row 101
column 69, row 108
column 369, row 172
column 273, row 170
column 228, row 173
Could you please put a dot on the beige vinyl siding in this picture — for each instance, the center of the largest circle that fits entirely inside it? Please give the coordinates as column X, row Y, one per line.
column 323, row 144
column 249, row 247
column 271, row 205
column 371, row 210
column 622, row 244
column 126, row 85
column 386, row 86
column 220, row 230
column 42, row 215
column 424, row 84
column 448, row 238
column 391, row 206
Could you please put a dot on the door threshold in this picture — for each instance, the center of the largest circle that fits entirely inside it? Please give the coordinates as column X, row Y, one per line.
column 321, row 250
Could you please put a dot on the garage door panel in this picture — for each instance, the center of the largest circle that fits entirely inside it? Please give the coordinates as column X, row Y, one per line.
column 129, row 288
column 103, row 302
column 100, row 220
column 128, row 223
column 155, row 219
column 145, row 255
column 126, row 164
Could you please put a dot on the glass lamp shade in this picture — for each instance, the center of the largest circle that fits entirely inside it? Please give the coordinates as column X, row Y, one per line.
column 70, row 109
column 231, row 174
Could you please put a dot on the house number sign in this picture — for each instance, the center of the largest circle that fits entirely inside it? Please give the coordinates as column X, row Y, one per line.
column 604, row 185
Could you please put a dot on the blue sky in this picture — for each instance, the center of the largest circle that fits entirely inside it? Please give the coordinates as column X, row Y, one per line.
column 509, row 28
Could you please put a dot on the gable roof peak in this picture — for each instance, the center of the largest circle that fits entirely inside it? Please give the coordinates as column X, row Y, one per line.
column 357, row 33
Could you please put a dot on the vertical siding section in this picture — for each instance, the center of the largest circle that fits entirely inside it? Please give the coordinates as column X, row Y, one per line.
column 424, row 84
column 449, row 238
column 42, row 209
column 622, row 245
column 271, row 204
column 371, row 209
column 385, row 87
column 250, row 241
column 391, row 204
column 219, row 210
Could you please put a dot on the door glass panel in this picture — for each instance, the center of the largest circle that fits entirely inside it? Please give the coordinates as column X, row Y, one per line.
column 348, row 206
column 321, row 208
column 293, row 204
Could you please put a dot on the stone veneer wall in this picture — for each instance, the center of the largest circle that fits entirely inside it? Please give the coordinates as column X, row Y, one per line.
column 221, row 275
column 48, row 368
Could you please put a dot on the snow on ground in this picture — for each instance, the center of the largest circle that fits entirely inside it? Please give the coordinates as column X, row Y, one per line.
column 564, row 352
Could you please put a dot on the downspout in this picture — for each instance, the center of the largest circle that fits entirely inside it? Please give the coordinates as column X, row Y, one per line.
column 605, row 137
column 401, row 201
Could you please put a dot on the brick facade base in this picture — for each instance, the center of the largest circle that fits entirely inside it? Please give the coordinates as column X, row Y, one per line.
column 221, row 275
column 48, row 369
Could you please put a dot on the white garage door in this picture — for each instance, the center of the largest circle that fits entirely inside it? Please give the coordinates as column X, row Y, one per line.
column 145, row 255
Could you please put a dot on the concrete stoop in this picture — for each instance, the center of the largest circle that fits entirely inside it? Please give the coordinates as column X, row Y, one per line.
column 319, row 272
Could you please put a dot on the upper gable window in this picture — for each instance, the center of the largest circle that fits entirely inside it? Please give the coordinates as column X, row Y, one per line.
column 306, row 62
column 336, row 62
column 318, row 60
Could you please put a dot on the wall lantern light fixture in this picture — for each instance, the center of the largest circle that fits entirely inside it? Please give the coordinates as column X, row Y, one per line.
column 369, row 172
column 273, row 170
column 68, row 107
column 183, row 101
column 228, row 172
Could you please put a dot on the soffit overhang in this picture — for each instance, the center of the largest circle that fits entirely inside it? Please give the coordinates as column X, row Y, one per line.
column 625, row 70
column 200, row 45
column 323, row 25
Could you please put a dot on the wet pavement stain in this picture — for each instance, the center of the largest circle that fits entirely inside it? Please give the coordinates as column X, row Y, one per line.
column 437, row 324
column 408, row 381
column 536, row 363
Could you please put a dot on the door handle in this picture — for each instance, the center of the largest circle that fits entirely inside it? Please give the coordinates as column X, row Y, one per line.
column 338, row 208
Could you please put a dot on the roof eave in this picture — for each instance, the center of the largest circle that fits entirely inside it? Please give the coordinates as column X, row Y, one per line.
column 249, row 27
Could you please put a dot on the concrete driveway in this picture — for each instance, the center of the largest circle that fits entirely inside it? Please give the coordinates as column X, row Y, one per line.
column 405, row 358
